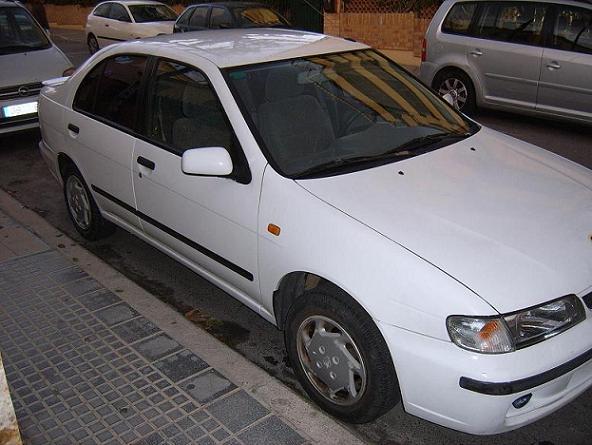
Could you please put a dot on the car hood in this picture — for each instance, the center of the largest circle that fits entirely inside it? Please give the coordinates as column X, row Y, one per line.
column 32, row 66
column 506, row 219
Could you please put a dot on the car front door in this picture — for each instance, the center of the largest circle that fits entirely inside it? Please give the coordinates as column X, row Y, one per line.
column 565, row 87
column 210, row 223
column 506, row 52
column 100, row 129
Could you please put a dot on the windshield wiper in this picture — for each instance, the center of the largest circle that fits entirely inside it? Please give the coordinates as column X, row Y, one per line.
column 403, row 151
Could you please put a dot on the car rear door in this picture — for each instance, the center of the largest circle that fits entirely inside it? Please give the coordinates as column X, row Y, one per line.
column 565, row 86
column 505, row 52
column 208, row 222
column 100, row 132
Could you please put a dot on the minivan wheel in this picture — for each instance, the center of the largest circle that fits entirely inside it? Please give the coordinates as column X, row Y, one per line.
column 83, row 210
column 93, row 44
column 340, row 356
column 459, row 86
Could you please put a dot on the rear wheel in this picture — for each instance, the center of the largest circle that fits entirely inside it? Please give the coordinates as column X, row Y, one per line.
column 340, row 357
column 83, row 210
column 459, row 86
column 93, row 44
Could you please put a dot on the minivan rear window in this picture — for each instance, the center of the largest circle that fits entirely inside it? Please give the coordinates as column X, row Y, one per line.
column 458, row 20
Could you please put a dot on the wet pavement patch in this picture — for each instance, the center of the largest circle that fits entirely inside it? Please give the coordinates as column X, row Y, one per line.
column 227, row 332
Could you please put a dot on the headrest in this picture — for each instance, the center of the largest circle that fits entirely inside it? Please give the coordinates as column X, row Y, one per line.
column 282, row 83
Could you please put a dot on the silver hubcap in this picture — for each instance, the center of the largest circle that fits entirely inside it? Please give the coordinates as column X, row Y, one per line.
column 457, row 89
column 331, row 360
column 78, row 202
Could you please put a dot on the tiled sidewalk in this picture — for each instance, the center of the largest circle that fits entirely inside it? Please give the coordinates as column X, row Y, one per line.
column 85, row 368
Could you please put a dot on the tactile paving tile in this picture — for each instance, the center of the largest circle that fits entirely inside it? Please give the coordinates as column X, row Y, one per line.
column 85, row 368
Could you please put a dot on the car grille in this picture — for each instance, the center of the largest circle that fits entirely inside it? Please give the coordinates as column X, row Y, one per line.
column 588, row 300
column 14, row 92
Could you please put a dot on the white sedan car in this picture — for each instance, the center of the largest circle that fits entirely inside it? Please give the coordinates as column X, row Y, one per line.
column 408, row 253
column 111, row 22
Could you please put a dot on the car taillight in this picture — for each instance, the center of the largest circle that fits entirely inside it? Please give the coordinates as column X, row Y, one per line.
column 424, row 50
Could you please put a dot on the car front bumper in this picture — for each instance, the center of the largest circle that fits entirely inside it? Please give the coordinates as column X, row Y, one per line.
column 473, row 393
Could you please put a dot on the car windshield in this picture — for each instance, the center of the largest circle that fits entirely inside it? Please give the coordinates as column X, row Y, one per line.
column 19, row 32
column 253, row 17
column 152, row 13
column 331, row 114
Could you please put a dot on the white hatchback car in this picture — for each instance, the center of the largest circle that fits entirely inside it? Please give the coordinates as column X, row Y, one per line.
column 27, row 58
column 111, row 22
column 408, row 252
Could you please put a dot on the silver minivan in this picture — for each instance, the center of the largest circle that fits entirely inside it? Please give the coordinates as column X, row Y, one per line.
column 525, row 56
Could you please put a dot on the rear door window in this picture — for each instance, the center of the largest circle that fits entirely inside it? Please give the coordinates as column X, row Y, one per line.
column 572, row 30
column 458, row 20
column 111, row 90
column 102, row 10
column 512, row 22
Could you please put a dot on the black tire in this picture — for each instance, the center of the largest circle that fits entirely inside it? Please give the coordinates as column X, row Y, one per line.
column 97, row 227
column 381, row 391
column 443, row 82
column 93, row 44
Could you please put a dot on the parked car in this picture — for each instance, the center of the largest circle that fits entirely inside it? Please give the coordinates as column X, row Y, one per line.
column 111, row 22
column 27, row 58
column 407, row 252
column 228, row 15
column 527, row 56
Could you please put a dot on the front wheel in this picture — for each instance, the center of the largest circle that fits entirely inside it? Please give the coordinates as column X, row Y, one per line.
column 459, row 86
column 340, row 356
column 93, row 44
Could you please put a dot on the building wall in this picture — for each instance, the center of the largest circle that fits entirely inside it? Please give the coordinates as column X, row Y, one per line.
column 403, row 31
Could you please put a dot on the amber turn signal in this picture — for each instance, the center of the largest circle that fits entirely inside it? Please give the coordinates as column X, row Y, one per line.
column 273, row 229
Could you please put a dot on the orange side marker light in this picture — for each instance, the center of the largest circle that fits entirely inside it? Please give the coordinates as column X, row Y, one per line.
column 273, row 229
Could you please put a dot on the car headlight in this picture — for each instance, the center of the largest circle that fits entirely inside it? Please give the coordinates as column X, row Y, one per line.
column 506, row 333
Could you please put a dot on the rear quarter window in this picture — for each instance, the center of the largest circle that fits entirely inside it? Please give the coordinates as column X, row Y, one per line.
column 459, row 18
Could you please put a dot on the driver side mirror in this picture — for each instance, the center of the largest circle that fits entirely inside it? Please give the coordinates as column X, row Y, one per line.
column 207, row 161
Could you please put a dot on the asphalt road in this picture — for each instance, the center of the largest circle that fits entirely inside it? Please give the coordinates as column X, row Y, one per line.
column 24, row 175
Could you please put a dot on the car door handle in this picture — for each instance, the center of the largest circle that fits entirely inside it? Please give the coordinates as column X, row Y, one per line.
column 73, row 128
column 146, row 163
column 553, row 66
column 476, row 52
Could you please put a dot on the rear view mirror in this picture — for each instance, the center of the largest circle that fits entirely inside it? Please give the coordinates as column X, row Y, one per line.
column 207, row 161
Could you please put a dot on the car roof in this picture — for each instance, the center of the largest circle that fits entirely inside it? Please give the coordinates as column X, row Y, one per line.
column 11, row 3
column 133, row 2
column 231, row 4
column 235, row 47
column 580, row 3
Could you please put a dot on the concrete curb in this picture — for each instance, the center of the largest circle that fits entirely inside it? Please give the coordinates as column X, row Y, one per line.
column 9, row 430
column 307, row 419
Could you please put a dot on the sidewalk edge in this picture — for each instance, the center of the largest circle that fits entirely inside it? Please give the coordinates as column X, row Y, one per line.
column 306, row 418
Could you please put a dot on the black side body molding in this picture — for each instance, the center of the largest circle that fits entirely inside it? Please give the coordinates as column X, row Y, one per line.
column 506, row 388
column 214, row 256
